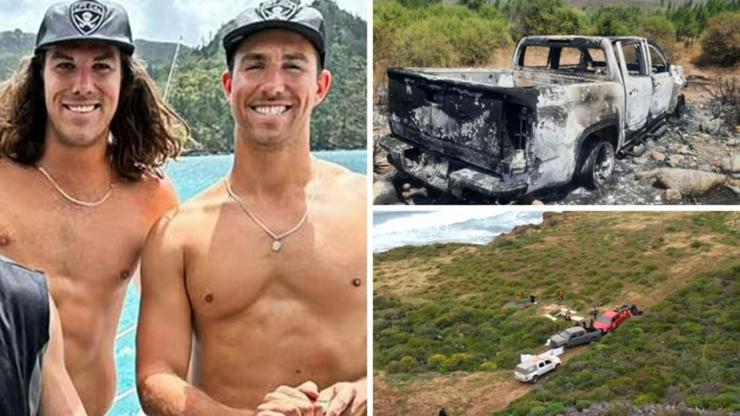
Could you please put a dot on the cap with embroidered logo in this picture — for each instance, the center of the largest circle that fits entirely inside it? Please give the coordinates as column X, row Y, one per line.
column 93, row 20
column 276, row 14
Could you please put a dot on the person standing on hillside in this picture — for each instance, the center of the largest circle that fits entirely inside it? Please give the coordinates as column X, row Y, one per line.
column 267, row 269
column 82, row 135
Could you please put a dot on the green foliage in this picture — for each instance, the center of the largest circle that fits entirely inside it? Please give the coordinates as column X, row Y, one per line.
column 721, row 42
column 435, row 36
column 196, row 93
column 616, row 21
column 544, row 17
column 691, row 18
column 471, row 315
column 683, row 347
column 13, row 45
column 660, row 29
column 198, row 97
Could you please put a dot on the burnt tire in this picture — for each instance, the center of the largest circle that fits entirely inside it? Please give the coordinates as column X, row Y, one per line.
column 680, row 107
column 597, row 164
column 535, row 379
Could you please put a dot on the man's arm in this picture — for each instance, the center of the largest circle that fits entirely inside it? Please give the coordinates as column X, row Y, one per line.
column 163, row 339
column 58, row 394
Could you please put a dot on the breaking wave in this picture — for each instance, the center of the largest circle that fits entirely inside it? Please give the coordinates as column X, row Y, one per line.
column 476, row 225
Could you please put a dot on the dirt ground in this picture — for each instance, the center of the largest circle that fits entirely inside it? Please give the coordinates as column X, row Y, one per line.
column 698, row 141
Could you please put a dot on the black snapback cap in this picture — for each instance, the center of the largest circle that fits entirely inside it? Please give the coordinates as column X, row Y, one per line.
column 276, row 14
column 85, row 20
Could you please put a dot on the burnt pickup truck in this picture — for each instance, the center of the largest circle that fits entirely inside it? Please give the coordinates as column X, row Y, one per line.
column 569, row 104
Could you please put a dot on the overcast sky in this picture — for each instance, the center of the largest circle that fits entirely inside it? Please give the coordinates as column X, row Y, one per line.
column 164, row 20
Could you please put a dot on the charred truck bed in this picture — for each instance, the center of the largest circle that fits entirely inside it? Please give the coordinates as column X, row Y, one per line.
column 505, row 133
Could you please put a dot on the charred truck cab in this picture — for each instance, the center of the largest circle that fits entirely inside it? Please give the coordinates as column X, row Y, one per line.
column 567, row 106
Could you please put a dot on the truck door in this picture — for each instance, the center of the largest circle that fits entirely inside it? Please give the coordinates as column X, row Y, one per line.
column 638, row 86
column 662, row 81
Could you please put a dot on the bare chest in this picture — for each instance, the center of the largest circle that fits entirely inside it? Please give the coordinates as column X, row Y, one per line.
column 98, row 245
column 321, row 270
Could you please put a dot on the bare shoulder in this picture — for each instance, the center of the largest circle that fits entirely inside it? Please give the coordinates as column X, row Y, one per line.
column 188, row 220
column 155, row 193
column 10, row 169
column 154, row 185
column 342, row 182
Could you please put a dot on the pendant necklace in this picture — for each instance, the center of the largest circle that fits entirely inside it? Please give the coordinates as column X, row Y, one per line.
column 70, row 198
column 277, row 243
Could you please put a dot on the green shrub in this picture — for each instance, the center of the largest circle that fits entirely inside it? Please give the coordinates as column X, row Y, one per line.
column 408, row 364
column 488, row 366
column 615, row 21
column 646, row 398
column 582, row 404
column 661, row 30
column 537, row 411
column 436, row 362
column 393, row 367
column 544, row 17
column 721, row 42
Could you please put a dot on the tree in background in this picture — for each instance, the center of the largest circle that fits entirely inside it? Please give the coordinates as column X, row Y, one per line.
column 660, row 29
column 543, row 17
column 434, row 36
column 615, row 21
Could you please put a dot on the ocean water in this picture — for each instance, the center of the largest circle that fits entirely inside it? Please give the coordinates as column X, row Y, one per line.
column 471, row 225
column 190, row 175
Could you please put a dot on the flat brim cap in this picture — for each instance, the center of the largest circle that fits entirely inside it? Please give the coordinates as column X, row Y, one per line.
column 85, row 20
column 276, row 14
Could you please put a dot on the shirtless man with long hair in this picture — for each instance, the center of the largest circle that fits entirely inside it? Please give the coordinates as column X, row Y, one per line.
column 267, row 269
column 83, row 135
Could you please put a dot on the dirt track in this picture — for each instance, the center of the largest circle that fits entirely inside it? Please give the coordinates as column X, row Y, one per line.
column 458, row 393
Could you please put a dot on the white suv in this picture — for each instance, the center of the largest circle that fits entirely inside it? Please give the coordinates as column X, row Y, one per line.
column 531, row 370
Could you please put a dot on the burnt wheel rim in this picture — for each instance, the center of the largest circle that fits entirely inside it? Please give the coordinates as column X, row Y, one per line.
column 603, row 165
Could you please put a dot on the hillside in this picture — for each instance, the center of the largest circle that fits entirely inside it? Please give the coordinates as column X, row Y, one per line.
column 449, row 326
column 197, row 95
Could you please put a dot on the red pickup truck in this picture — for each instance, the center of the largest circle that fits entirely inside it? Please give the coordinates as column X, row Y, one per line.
column 611, row 320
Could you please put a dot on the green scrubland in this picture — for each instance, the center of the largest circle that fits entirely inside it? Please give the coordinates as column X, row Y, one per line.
column 449, row 308
column 428, row 33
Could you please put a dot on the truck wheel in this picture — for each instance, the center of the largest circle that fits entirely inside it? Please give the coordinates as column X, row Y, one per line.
column 535, row 378
column 557, row 366
column 597, row 166
column 680, row 107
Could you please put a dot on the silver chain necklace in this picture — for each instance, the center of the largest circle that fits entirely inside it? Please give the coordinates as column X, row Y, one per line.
column 277, row 243
column 72, row 199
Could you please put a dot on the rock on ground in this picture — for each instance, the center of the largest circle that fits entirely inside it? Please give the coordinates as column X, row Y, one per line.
column 689, row 182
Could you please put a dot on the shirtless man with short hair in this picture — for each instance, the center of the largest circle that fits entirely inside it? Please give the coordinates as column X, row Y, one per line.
column 268, row 268
column 82, row 136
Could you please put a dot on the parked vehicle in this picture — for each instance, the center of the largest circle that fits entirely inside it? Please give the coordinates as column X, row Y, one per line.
column 610, row 320
column 567, row 106
column 532, row 370
column 574, row 336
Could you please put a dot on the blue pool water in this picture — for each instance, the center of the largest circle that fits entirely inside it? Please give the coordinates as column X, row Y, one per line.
column 190, row 175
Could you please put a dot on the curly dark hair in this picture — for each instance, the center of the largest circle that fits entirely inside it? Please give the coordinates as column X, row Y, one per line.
column 146, row 131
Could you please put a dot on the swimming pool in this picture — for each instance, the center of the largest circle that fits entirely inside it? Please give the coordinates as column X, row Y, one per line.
column 190, row 175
